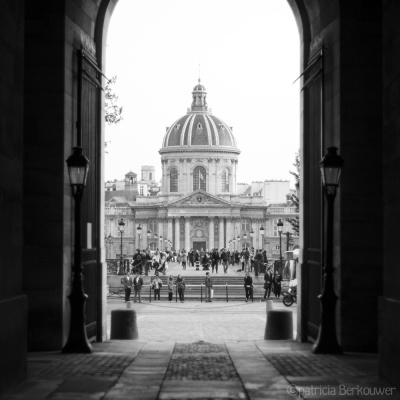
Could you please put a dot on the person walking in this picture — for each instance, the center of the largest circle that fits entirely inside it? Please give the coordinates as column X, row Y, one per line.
column 214, row 261
column 137, row 286
column 208, row 285
column 191, row 257
column 171, row 285
column 224, row 258
column 257, row 262
column 157, row 285
column 246, row 257
column 148, row 262
column 127, row 279
column 180, row 282
column 248, row 285
column 184, row 259
column 277, row 284
column 268, row 278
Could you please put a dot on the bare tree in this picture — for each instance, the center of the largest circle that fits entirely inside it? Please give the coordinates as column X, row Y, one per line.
column 295, row 222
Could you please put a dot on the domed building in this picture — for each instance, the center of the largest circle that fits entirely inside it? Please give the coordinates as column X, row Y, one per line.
column 199, row 151
column 198, row 205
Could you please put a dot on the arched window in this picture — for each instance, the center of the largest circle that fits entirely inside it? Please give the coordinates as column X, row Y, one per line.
column 150, row 176
column 225, row 181
column 173, row 180
column 199, row 178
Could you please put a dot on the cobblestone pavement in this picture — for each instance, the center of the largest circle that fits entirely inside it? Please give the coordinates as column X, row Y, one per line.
column 194, row 321
column 201, row 351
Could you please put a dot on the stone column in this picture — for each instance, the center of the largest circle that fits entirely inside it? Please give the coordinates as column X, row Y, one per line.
column 177, row 245
column 228, row 230
column 187, row 234
column 144, row 234
column 169, row 233
column 211, row 233
column 160, row 244
column 221, row 233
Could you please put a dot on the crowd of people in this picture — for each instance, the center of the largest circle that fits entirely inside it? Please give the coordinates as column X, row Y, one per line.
column 249, row 260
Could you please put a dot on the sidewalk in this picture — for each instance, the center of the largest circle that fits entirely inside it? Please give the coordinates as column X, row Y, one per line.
column 201, row 370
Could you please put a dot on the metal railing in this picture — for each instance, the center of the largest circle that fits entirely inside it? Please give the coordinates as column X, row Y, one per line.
column 121, row 291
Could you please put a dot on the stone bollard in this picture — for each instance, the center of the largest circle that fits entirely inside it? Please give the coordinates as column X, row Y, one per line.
column 279, row 325
column 123, row 324
column 270, row 305
column 129, row 304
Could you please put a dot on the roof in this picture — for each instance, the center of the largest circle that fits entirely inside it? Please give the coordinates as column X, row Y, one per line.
column 126, row 195
column 198, row 127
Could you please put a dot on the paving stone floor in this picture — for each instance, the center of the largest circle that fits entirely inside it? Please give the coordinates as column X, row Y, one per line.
column 201, row 351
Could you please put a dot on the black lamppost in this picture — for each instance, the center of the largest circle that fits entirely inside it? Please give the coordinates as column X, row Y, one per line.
column 121, row 227
column 262, row 232
column 161, row 242
column 252, row 236
column 139, row 231
column 280, row 228
column 78, row 168
column 331, row 166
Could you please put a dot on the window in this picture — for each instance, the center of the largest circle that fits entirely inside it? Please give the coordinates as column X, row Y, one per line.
column 245, row 226
column 173, row 180
column 153, row 225
column 150, row 176
column 199, row 178
column 141, row 190
column 225, row 181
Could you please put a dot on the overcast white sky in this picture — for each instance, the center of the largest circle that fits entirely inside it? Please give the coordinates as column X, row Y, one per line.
column 249, row 56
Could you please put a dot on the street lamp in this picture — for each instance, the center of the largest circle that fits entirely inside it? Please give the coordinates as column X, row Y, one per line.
column 121, row 227
column 161, row 242
column 262, row 232
column 280, row 228
column 78, row 168
column 331, row 166
column 139, row 231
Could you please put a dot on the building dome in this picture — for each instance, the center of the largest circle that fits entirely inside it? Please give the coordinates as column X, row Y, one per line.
column 199, row 127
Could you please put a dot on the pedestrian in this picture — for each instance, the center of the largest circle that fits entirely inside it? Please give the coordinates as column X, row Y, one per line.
column 191, row 257
column 171, row 285
column 180, row 283
column 137, row 286
column 257, row 262
column 127, row 279
column 179, row 257
column 224, row 258
column 183, row 259
column 208, row 285
column 246, row 255
column 214, row 260
column 268, row 277
column 148, row 262
column 248, row 286
column 157, row 285
column 277, row 284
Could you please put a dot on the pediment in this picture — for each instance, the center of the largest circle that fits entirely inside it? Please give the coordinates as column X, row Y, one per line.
column 199, row 198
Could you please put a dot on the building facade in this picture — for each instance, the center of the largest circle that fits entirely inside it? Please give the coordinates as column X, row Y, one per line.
column 198, row 205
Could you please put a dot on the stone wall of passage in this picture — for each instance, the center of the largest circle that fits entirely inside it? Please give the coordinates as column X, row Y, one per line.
column 13, row 302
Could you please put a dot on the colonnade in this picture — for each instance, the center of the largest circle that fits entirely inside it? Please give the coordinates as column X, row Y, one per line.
column 217, row 232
